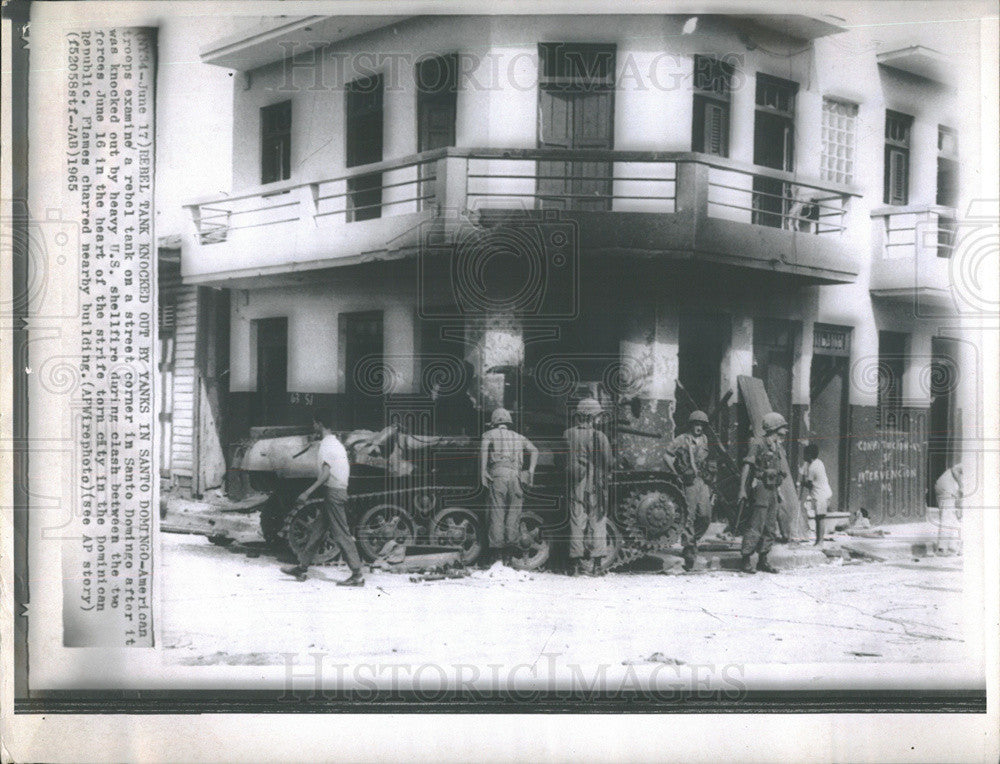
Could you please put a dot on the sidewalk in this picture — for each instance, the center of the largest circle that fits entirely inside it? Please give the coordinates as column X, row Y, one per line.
column 905, row 541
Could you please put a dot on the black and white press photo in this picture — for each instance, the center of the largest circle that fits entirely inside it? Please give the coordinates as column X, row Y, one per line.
column 381, row 358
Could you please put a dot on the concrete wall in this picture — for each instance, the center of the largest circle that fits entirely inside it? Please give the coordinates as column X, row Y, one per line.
column 498, row 92
column 313, row 311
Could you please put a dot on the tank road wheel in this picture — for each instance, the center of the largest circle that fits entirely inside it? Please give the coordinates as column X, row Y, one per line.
column 459, row 527
column 531, row 550
column 298, row 527
column 382, row 524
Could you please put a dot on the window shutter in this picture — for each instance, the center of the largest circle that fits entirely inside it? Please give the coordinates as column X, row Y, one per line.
column 898, row 181
column 715, row 129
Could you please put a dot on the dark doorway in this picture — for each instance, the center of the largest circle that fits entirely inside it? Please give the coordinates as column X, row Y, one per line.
column 362, row 341
column 702, row 344
column 272, row 371
column 774, row 147
column 437, row 99
column 828, row 418
column 364, row 146
column 447, row 378
column 588, row 350
column 276, row 142
column 891, row 366
column 576, row 111
column 828, row 397
column 944, row 428
column 773, row 359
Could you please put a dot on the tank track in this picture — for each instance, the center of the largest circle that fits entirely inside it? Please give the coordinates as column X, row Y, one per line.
column 651, row 525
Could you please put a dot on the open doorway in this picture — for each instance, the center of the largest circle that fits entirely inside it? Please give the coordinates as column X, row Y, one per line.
column 702, row 343
column 362, row 343
column 584, row 357
column 272, row 371
column 773, row 358
column 944, row 429
column 828, row 396
column 576, row 111
column 774, row 147
column 364, row 146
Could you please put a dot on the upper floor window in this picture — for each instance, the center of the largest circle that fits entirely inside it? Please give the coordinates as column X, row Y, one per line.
column 947, row 188
column 839, row 134
column 947, row 142
column 712, row 98
column 897, row 157
column 577, row 66
column 276, row 142
column 776, row 95
column 947, row 167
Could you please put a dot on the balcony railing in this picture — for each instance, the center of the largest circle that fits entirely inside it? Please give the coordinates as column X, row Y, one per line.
column 675, row 205
column 633, row 181
column 925, row 230
column 572, row 180
column 365, row 192
column 913, row 245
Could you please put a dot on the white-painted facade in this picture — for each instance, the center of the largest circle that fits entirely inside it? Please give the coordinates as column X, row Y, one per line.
column 295, row 258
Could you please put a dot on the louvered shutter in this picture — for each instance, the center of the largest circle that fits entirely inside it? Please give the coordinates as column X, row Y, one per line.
column 716, row 129
column 896, row 181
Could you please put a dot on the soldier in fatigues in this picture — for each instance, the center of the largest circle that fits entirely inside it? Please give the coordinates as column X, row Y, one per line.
column 764, row 464
column 501, row 465
column 689, row 453
column 588, row 466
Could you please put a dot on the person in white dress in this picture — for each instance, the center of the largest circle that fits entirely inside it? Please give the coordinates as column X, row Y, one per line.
column 948, row 492
column 814, row 487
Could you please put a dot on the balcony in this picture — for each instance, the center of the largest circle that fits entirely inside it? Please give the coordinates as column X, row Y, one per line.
column 669, row 206
column 912, row 251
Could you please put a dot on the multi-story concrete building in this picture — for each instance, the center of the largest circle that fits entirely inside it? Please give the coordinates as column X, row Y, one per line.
column 516, row 207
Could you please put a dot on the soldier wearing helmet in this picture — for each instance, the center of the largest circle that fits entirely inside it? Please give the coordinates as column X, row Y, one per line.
column 501, row 469
column 588, row 466
column 688, row 457
column 765, row 465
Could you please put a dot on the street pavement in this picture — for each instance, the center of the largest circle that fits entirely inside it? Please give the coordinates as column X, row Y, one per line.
column 222, row 607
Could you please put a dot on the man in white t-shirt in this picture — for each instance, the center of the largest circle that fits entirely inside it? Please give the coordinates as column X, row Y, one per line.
column 333, row 472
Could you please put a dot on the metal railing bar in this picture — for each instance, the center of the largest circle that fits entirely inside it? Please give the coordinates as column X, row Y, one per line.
column 479, row 176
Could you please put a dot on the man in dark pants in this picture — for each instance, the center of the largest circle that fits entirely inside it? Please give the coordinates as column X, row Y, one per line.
column 764, row 463
column 689, row 454
column 588, row 466
column 334, row 471
column 501, row 472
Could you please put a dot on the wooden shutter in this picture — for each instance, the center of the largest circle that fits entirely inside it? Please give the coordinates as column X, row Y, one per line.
column 555, row 120
column 896, row 172
column 716, row 129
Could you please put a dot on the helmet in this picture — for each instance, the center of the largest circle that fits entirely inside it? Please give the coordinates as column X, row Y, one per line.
column 588, row 407
column 773, row 421
column 698, row 416
column 500, row 416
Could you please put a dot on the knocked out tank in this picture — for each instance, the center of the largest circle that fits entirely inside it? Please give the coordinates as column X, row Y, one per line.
column 406, row 489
